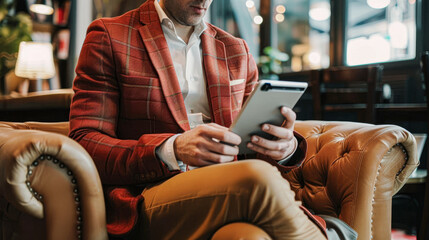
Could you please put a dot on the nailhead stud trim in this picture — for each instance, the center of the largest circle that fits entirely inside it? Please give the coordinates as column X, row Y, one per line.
column 73, row 180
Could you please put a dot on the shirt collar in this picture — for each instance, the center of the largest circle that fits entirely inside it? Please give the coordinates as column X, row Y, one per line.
column 166, row 21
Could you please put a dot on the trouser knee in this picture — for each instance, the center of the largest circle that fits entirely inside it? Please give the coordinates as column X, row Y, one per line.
column 260, row 176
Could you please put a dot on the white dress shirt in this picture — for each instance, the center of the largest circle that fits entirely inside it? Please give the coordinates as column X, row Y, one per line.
column 188, row 64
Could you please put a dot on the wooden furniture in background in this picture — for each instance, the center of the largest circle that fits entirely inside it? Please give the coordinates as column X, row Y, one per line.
column 304, row 107
column 347, row 90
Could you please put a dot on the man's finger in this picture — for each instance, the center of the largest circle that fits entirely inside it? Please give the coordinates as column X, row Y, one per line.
column 272, row 153
column 215, row 125
column 222, row 148
column 290, row 117
column 215, row 158
column 223, row 135
column 279, row 132
column 279, row 145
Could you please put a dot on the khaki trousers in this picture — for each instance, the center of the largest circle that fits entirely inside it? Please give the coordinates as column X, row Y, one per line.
column 195, row 204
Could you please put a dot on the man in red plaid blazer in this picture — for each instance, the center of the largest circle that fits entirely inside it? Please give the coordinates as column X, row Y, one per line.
column 130, row 101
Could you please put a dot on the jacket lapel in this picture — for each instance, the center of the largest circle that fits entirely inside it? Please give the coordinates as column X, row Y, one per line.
column 217, row 77
column 159, row 54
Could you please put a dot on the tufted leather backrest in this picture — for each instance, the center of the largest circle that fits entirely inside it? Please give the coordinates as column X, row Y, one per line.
column 352, row 170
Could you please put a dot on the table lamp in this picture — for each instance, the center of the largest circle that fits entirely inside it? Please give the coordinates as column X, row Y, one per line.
column 42, row 7
column 35, row 62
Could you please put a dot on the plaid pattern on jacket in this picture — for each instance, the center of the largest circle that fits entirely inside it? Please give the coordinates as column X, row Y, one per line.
column 128, row 101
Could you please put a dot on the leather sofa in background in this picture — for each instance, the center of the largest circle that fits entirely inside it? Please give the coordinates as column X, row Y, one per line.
column 50, row 188
column 43, row 106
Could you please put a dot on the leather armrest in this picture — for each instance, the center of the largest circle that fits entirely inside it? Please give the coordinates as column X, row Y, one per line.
column 50, row 176
column 352, row 170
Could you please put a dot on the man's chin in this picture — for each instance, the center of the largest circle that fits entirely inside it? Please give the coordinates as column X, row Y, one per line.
column 194, row 21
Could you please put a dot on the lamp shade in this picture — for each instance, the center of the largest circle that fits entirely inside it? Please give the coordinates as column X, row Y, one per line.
column 42, row 7
column 35, row 61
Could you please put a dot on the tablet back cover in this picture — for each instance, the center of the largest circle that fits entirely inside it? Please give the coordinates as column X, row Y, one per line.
column 263, row 106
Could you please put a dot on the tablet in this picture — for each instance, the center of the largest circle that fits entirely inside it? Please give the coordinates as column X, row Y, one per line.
column 263, row 106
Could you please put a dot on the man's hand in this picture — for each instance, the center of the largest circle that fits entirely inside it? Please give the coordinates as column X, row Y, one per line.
column 200, row 146
column 284, row 143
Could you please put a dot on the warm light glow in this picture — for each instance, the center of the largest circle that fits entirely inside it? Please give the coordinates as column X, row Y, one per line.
column 398, row 35
column 364, row 50
column 314, row 58
column 296, row 64
column 279, row 18
column 258, row 19
column 250, row 4
column 42, row 9
column 377, row 4
column 299, row 49
column 35, row 61
column 412, row 1
column 280, row 9
column 320, row 11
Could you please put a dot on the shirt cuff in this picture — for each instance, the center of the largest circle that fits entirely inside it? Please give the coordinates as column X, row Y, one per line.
column 165, row 152
column 286, row 159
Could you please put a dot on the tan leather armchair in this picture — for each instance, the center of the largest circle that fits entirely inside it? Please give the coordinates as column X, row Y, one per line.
column 50, row 189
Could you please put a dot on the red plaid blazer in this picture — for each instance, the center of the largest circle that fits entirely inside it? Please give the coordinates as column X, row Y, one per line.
column 128, row 101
